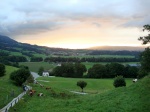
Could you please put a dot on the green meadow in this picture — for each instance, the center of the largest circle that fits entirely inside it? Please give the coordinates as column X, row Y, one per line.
column 34, row 66
column 7, row 87
column 69, row 84
column 133, row 98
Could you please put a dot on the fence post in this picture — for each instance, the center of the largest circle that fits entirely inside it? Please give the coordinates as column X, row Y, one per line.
column 6, row 110
column 13, row 102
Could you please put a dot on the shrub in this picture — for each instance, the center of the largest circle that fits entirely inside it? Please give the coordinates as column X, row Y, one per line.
column 81, row 84
column 40, row 71
column 2, row 70
column 30, row 79
column 142, row 73
column 20, row 76
column 119, row 81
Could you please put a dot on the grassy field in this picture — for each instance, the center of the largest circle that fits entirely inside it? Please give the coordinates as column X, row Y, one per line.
column 69, row 84
column 134, row 98
column 101, row 94
column 34, row 66
column 6, row 87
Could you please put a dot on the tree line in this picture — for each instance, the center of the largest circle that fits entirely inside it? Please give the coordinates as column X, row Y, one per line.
column 112, row 70
column 106, row 52
column 69, row 70
column 90, row 59
column 97, row 71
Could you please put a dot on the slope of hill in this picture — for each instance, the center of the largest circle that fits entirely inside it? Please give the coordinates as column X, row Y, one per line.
column 134, row 98
column 125, row 99
column 7, row 87
column 10, row 45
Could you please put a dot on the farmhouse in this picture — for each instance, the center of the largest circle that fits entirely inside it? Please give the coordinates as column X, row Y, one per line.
column 45, row 74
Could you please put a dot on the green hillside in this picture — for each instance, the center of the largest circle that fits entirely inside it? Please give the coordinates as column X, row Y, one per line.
column 126, row 99
column 134, row 98
column 6, row 87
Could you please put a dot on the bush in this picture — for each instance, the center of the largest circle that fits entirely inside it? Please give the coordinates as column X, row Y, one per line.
column 142, row 73
column 119, row 81
column 40, row 71
column 2, row 70
column 20, row 76
column 30, row 79
column 81, row 84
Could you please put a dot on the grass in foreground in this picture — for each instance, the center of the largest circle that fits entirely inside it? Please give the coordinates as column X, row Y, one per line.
column 6, row 88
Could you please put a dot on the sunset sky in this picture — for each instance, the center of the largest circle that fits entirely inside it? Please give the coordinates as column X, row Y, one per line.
column 75, row 23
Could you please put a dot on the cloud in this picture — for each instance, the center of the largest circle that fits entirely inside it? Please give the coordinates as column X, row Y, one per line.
column 37, row 16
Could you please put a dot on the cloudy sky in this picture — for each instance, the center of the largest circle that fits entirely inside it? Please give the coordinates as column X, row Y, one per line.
column 75, row 23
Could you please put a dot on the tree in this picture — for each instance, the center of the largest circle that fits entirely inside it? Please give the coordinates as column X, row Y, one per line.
column 40, row 71
column 145, row 39
column 145, row 60
column 119, row 81
column 115, row 69
column 2, row 70
column 79, row 69
column 142, row 73
column 81, row 84
column 97, row 71
column 30, row 79
column 145, row 56
column 20, row 76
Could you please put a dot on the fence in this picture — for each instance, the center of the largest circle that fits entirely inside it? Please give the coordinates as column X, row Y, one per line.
column 14, row 101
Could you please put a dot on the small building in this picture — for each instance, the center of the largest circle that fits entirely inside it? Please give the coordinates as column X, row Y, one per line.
column 58, row 64
column 45, row 74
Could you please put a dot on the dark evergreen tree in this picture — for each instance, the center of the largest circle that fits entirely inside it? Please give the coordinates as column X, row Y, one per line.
column 2, row 70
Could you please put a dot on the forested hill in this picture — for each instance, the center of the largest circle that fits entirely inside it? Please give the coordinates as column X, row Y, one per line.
column 8, row 44
column 119, row 48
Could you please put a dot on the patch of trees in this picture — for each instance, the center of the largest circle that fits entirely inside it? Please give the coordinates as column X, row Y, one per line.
column 29, row 54
column 12, row 60
column 106, row 52
column 40, row 71
column 16, row 58
column 2, row 53
column 70, row 70
column 112, row 70
column 91, row 59
column 2, row 70
column 145, row 56
column 36, row 59
column 20, row 76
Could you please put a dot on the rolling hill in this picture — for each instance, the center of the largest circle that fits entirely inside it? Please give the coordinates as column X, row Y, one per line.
column 118, row 48
column 10, row 45
column 134, row 98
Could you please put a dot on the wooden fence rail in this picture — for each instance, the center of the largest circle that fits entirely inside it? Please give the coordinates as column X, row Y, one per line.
column 14, row 101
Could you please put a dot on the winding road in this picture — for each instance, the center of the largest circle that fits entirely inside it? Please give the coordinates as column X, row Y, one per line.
column 35, row 75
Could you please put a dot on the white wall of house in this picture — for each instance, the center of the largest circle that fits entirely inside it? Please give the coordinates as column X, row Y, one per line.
column 45, row 74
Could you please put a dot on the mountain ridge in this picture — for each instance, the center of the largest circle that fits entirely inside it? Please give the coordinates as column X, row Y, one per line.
column 116, row 48
column 8, row 42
